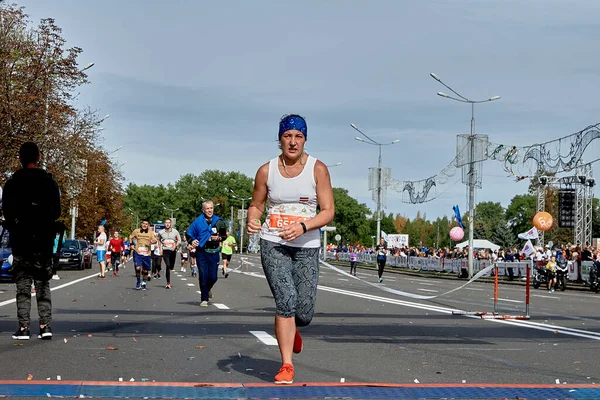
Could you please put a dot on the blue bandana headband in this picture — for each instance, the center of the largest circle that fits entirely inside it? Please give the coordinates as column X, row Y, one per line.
column 292, row 122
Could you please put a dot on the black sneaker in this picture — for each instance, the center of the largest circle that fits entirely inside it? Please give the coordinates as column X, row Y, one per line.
column 45, row 333
column 22, row 334
column 227, row 275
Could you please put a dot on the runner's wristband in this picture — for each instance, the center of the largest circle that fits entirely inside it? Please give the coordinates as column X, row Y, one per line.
column 303, row 226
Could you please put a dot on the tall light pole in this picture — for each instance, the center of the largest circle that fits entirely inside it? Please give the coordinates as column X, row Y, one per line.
column 243, row 219
column 471, row 184
column 334, row 165
column 170, row 209
column 379, row 199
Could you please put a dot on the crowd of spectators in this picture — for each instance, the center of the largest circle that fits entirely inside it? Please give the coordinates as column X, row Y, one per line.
column 569, row 252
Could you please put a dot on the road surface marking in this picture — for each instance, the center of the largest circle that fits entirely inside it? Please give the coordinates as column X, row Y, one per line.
column 545, row 297
column 191, row 284
column 184, row 279
column 426, row 284
column 472, row 288
column 64, row 285
column 265, row 338
column 221, row 306
column 512, row 301
column 342, row 279
column 428, row 290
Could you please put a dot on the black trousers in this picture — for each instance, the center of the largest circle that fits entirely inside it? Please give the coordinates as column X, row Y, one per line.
column 169, row 257
column 380, row 266
column 156, row 264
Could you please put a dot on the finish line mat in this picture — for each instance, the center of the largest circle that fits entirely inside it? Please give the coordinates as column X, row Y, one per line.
column 177, row 390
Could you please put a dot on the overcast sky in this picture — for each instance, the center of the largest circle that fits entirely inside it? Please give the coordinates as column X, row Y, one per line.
column 195, row 85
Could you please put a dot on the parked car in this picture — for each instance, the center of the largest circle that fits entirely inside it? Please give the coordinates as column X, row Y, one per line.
column 87, row 254
column 6, row 257
column 71, row 255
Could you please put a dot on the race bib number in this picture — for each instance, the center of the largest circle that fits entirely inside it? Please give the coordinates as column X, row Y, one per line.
column 277, row 221
column 143, row 251
column 169, row 244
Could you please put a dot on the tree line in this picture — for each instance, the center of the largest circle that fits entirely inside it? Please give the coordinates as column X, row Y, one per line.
column 355, row 222
column 39, row 80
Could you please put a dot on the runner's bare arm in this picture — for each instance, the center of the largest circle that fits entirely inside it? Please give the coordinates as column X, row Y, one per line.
column 259, row 198
column 324, row 198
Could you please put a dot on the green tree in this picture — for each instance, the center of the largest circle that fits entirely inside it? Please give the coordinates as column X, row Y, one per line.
column 350, row 217
column 503, row 236
column 487, row 216
column 520, row 213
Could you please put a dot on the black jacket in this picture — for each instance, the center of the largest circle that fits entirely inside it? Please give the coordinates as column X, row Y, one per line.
column 31, row 205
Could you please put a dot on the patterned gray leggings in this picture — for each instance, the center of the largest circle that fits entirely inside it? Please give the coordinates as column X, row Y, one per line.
column 293, row 275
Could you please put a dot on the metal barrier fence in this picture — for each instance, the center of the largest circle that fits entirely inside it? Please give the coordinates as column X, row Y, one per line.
column 518, row 269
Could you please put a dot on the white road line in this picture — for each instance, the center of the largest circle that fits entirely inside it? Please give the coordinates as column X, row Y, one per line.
column 426, row 284
column 184, row 279
column 444, row 310
column 265, row 338
column 220, row 306
column 199, row 292
column 545, row 297
column 428, row 290
column 191, row 284
column 509, row 300
column 6, row 302
column 472, row 288
column 342, row 279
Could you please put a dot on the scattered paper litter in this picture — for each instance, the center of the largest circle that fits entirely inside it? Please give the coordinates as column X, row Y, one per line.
column 120, row 379
column 132, row 380
column 416, row 381
column 239, row 355
column 558, row 381
column 464, row 381
column 89, row 335
column 134, row 340
column 30, row 377
column 66, row 340
column 58, row 377
column 342, row 380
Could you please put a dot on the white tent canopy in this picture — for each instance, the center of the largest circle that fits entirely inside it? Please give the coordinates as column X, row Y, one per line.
column 479, row 244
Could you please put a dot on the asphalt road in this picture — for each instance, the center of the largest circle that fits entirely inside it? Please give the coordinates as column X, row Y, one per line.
column 107, row 331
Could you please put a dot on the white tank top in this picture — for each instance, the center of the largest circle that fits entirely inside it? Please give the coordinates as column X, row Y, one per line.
column 291, row 200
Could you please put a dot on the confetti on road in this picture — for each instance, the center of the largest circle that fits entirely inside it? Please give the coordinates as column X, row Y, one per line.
column 200, row 347
column 132, row 380
column 120, row 379
column 30, row 377
column 416, row 381
column 58, row 378
column 134, row 340
column 112, row 348
column 558, row 381
column 342, row 380
column 66, row 340
column 90, row 335
column 17, row 344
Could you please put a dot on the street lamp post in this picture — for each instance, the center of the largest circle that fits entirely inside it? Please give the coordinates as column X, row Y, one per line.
column 170, row 209
column 379, row 199
column 471, row 184
column 243, row 219
column 334, row 165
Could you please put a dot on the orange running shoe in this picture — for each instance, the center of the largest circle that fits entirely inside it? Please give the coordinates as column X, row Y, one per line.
column 297, row 342
column 285, row 375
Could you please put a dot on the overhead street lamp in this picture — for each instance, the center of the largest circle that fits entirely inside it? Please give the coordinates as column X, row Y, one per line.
column 170, row 209
column 379, row 199
column 243, row 219
column 334, row 165
column 471, row 184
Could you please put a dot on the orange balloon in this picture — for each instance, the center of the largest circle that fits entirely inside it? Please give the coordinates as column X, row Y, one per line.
column 543, row 221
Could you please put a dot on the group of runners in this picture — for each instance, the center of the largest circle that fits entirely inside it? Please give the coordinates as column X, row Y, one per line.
column 161, row 246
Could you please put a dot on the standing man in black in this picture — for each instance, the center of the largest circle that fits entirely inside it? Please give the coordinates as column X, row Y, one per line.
column 381, row 250
column 31, row 204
